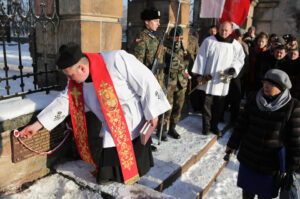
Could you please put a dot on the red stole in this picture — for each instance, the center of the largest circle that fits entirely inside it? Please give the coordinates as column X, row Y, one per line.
column 112, row 112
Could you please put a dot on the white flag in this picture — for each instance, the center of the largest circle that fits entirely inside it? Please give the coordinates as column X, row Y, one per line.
column 212, row 8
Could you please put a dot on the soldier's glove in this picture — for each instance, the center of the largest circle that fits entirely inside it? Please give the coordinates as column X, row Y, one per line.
column 230, row 71
column 287, row 180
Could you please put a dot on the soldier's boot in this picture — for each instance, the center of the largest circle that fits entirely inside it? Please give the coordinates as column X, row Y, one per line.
column 205, row 131
column 172, row 131
column 163, row 133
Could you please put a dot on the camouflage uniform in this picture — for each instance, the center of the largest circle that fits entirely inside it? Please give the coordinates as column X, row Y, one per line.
column 192, row 48
column 145, row 48
column 177, row 84
column 195, row 98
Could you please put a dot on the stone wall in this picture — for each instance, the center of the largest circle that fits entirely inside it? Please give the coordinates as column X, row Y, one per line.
column 280, row 17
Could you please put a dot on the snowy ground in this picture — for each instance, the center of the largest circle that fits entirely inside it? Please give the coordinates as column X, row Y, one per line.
column 12, row 56
column 170, row 156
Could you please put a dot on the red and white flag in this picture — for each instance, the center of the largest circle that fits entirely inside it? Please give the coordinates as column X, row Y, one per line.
column 212, row 8
column 227, row 10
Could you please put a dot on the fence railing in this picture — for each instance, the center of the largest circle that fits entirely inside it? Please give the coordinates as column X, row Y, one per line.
column 21, row 21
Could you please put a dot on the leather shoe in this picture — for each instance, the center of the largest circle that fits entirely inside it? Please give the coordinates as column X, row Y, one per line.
column 205, row 132
column 153, row 148
column 217, row 132
column 174, row 134
column 105, row 182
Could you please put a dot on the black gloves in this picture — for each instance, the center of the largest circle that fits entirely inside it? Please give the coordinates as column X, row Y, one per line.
column 230, row 71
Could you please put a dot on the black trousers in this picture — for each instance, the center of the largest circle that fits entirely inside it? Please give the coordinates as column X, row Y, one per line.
column 247, row 195
column 212, row 110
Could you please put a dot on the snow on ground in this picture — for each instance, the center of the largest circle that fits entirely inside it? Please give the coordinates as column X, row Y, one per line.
column 15, row 107
column 12, row 55
column 54, row 187
column 15, row 84
column 192, row 182
column 225, row 185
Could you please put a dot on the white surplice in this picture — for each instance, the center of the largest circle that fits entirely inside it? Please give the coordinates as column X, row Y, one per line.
column 140, row 95
column 215, row 56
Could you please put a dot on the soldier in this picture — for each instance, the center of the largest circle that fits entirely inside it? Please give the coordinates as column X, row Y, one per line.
column 177, row 82
column 146, row 43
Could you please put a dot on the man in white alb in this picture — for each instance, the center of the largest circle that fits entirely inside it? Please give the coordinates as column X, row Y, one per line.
column 123, row 93
column 222, row 57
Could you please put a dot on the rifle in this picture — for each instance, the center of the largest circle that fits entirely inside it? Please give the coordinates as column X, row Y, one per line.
column 158, row 52
column 204, row 80
column 170, row 66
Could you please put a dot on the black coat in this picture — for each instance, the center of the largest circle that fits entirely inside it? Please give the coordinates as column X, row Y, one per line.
column 266, row 61
column 260, row 135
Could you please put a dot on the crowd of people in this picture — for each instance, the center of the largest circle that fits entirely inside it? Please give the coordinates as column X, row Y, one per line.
column 149, row 84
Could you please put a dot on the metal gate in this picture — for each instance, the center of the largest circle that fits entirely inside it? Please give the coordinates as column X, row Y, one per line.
column 25, row 60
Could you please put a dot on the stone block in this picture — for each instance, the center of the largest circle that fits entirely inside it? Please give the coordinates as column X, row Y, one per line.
column 13, row 175
column 184, row 13
column 90, row 36
column 69, row 7
column 185, row 37
column 99, row 36
column 111, row 36
column 111, row 8
column 69, row 31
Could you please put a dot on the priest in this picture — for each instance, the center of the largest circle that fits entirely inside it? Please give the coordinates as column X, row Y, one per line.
column 122, row 93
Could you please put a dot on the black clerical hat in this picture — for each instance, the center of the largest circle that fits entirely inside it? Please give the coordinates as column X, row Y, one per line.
column 68, row 55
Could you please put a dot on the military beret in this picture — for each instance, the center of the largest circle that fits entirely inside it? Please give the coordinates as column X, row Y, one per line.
column 179, row 31
column 68, row 55
column 149, row 14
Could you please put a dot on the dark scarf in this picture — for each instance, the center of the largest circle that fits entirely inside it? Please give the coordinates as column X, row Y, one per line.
column 272, row 103
column 228, row 39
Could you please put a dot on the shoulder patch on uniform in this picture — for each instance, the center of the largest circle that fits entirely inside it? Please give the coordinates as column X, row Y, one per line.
column 138, row 40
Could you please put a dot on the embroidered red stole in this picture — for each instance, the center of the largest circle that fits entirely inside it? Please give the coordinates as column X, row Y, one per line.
column 112, row 112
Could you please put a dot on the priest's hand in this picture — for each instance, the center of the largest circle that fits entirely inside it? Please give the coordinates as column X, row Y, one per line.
column 30, row 130
column 153, row 121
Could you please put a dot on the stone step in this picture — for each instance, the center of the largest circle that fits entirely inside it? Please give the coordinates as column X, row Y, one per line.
column 195, row 182
column 175, row 157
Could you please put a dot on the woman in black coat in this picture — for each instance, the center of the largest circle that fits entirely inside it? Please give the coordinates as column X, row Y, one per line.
column 270, row 120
